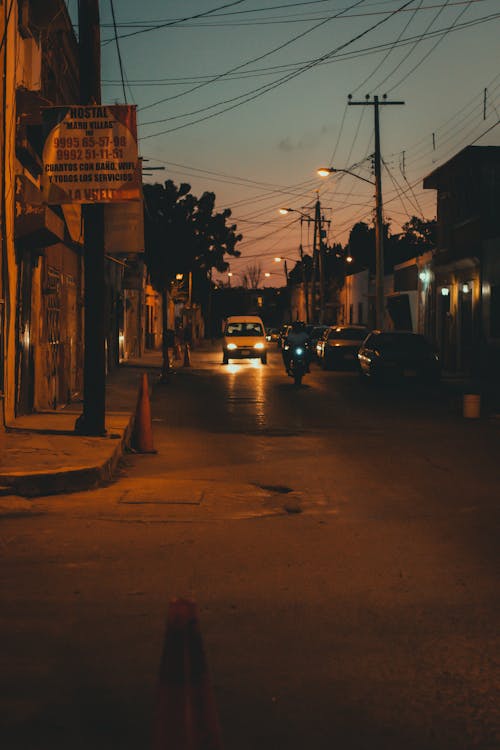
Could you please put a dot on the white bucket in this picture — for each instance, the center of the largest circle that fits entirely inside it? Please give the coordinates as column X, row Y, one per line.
column 472, row 405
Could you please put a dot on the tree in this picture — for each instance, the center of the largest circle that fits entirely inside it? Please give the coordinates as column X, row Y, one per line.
column 183, row 235
column 252, row 276
column 418, row 237
column 361, row 246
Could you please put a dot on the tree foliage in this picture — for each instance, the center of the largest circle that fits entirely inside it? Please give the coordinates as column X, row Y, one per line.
column 184, row 234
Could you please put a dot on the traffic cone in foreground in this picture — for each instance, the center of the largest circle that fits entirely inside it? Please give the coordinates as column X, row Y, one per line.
column 187, row 356
column 142, row 434
column 186, row 717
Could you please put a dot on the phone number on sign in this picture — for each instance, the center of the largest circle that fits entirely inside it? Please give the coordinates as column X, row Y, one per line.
column 77, row 154
column 102, row 141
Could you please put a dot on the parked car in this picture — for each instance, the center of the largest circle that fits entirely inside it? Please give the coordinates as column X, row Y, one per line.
column 386, row 354
column 339, row 346
column 282, row 334
column 314, row 335
column 272, row 334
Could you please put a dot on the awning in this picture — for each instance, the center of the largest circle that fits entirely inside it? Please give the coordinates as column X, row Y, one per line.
column 38, row 228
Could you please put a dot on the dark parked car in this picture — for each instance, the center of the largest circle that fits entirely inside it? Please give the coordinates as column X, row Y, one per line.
column 315, row 334
column 339, row 346
column 282, row 334
column 272, row 334
column 386, row 354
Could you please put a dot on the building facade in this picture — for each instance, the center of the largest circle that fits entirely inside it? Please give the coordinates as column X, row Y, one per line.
column 41, row 269
column 465, row 310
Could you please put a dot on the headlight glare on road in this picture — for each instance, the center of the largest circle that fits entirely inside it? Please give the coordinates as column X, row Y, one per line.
column 232, row 347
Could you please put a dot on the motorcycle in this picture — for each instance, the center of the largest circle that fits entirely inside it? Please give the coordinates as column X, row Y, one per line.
column 298, row 365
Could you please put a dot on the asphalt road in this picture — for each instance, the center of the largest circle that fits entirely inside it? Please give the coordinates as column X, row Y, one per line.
column 340, row 540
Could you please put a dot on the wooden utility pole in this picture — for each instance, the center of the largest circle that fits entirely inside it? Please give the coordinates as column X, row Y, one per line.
column 305, row 282
column 379, row 225
column 321, row 260
column 92, row 420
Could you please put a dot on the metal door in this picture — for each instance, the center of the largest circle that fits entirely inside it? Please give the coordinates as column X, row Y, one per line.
column 53, row 330
column 24, row 349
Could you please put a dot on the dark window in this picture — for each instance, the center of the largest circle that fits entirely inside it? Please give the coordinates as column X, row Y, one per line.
column 244, row 329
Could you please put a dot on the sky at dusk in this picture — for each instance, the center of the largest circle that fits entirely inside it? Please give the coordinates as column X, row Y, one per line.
column 246, row 99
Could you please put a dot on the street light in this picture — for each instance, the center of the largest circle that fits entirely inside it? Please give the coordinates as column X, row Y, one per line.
column 379, row 239
column 280, row 258
column 318, row 253
column 325, row 171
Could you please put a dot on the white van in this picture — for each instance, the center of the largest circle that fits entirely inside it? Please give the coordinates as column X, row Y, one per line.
column 244, row 338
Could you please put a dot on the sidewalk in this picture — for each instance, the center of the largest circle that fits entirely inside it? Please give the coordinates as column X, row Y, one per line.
column 40, row 454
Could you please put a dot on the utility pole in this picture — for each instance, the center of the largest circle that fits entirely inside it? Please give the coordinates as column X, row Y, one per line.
column 321, row 260
column 305, row 282
column 379, row 226
column 92, row 420
column 318, row 265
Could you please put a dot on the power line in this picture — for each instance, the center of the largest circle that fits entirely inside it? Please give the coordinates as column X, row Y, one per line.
column 178, row 21
column 260, row 91
column 147, row 26
column 269, row 70
column 390, row 51
column 265, row 89
column 253, row 60
column 118, row 50
column 429, row 52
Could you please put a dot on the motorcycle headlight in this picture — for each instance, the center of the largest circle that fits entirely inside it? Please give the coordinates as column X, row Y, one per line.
column 299, row 351
column 259, row 345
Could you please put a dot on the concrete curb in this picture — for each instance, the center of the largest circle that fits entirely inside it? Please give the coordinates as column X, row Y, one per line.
column 71, row 479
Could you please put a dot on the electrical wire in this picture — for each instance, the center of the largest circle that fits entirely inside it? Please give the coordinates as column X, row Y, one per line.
column 415, row 45
column 253, row 60
column 269, row 70
column 429, row 52
column 265, row 89
column 118, row 50
column 246, row 97
column 281, row 19
column 391, row 50
column 177, row 21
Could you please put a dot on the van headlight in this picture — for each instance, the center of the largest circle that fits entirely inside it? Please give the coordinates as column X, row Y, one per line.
column 232, row 346
column 259, row 345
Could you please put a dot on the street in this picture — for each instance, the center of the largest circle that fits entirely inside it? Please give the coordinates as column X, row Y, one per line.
column 340, row 540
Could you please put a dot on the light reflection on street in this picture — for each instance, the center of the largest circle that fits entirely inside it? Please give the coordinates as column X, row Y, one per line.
column 245, row 395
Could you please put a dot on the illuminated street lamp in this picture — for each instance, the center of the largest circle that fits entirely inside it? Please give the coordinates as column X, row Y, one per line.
column 318, row 253
column 230, row 275
column 325, row 171
column 279, row 259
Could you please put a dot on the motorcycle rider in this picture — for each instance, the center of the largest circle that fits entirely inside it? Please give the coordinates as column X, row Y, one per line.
column 297, row 336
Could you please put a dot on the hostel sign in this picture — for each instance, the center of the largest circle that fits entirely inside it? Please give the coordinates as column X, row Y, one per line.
column 90, row 154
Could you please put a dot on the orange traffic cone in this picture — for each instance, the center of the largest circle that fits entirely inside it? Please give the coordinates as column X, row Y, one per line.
column 186, row 717
column 142, row 434
column 187, row 356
